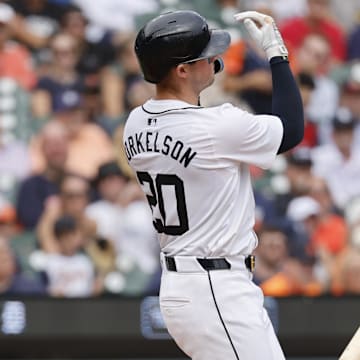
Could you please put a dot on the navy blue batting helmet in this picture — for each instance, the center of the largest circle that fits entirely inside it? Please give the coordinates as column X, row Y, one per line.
column 174, row 38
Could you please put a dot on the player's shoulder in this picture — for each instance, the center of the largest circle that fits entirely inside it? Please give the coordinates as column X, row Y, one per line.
column 133, row 117
column 226, row 108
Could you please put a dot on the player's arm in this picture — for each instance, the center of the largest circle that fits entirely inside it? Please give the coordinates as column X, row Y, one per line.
column 286, row 99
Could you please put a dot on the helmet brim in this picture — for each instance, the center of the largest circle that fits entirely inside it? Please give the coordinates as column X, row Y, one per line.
column 219, row 42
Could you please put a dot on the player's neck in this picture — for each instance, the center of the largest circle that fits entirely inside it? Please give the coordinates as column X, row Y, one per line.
column 166, row 93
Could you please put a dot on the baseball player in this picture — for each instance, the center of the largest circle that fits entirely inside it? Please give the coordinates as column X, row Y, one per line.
column 192, row 163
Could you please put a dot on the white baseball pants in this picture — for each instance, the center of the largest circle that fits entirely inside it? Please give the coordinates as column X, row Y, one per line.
column 217, row 314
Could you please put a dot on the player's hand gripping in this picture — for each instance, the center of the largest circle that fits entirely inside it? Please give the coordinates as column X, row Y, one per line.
column 267, row 35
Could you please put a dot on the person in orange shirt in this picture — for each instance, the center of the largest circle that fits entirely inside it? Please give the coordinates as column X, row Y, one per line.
column 279, row 274
column 15, row 60
column 89, row 146
column 331, row 230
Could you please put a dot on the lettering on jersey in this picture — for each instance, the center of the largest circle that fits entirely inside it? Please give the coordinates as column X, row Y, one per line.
column 149, row 142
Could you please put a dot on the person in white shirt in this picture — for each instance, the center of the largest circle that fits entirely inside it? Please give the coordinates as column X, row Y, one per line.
column 70, row 273
column 338, row 162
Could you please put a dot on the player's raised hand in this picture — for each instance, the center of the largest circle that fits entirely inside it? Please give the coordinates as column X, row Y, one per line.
column 267, row 35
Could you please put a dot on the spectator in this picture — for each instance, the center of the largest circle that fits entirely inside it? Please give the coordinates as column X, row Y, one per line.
column 276, row 272
column 348, row 78
column 271, row 253
column 14, row 58
column 320, row 20
column 62, row 85
column 72, row 200
column 36, row 189
column 122, row 216
column 124, row 220
column 12, row 281
column 248, row 76
column 107, row 212
column 326, row 234
column 313, row 58
column 298, row 175
column 115, row 15
column 326, row 231
column 89, row 145
column 69, row 272
column 306, row 86
column 338, row 162
column 319, row 191
column 94, row 47
column 41, row 17
column 120, row 81
column 35, row 23
column 138, row 238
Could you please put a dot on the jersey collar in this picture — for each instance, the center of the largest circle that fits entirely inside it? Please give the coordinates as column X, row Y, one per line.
column 163, row 106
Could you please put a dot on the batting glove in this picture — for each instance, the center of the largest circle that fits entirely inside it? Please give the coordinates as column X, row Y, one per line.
column 267, row 35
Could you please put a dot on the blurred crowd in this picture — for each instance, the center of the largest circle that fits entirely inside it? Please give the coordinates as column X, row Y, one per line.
column 73, row 220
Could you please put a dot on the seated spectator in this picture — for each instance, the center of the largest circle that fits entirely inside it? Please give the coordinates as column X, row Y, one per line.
column 348, row 80
column 123, row 217
column 34, row 190
column 69, row 272
column 306, row 84
column 12, row 281
column 40, row 16
column 14, row 58
column 89, row 145
column 271, row 252
column 117, row 81
column 36, row 22
column 298, row 175
column 318, row 19
column 94, row 48
column 138, row 238
column 326, row 231
column 62, row 85
column 107, row 212
column 313, row 58
column 326, row 234
column 72, row 200
column 319, row 191
column 277, row 273
column 339, row 161
column 247, row 74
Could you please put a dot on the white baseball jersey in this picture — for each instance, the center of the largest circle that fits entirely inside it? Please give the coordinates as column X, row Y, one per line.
column 192, row 164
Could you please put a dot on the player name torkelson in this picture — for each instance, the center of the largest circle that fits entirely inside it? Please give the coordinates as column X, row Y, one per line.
column 148, row 142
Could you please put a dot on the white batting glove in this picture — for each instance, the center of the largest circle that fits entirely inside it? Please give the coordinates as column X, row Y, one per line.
column 267, row 36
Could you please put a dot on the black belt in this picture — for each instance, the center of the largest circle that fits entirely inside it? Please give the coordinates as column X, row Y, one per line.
column 212, row 264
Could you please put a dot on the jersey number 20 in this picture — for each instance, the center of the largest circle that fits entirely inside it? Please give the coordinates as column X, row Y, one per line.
column 156, row 198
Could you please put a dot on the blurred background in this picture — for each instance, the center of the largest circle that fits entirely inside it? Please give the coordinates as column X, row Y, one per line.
column 79, row 259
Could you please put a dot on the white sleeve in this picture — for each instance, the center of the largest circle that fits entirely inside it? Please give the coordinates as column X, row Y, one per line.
column 243, row 137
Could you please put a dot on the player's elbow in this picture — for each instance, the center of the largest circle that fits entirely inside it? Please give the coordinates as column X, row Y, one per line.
column 293, row 133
